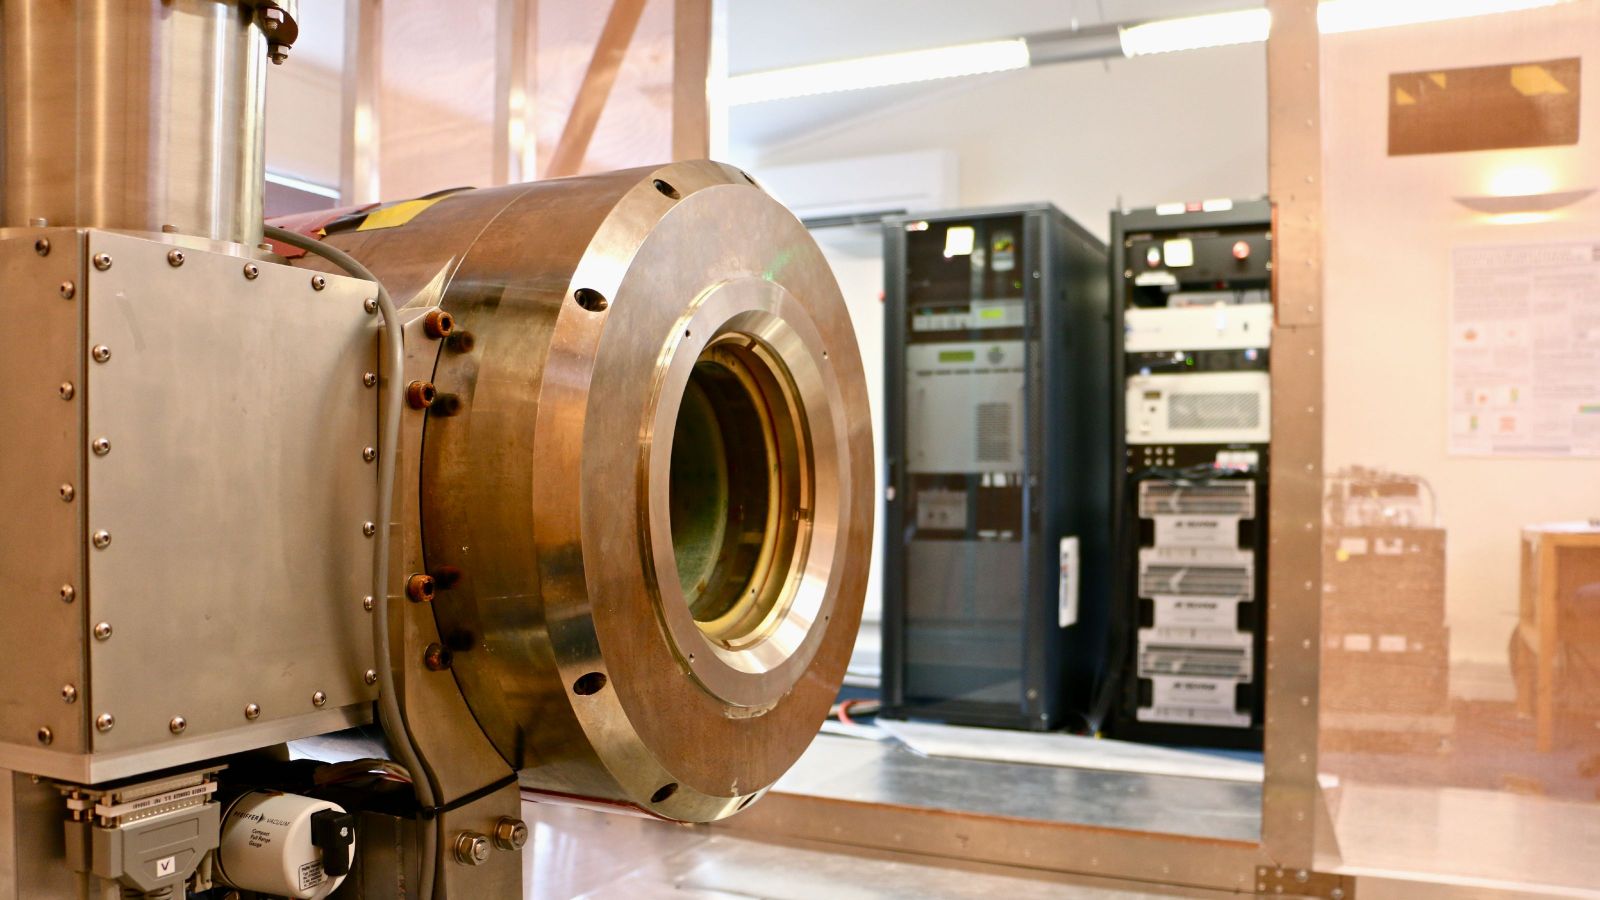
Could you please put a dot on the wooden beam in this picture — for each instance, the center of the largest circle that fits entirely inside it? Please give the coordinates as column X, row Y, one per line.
column 609, row 52
column 691, row 64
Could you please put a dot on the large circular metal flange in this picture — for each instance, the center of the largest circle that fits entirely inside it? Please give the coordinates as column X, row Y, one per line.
column 646, row 481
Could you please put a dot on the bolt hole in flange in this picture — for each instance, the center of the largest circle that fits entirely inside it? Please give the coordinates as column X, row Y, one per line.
column 663, row 792
column 667, row 190
column 590, row 299
column 589, row 684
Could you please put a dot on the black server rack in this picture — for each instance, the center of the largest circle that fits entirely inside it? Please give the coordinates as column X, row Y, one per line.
column 1189, row 632
column 1001, row 436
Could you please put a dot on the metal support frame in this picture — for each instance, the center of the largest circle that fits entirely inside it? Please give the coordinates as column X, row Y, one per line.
column 515, row 86
column 363, row 80
column 691, row 67
column 609, row 52
column 1282, row 861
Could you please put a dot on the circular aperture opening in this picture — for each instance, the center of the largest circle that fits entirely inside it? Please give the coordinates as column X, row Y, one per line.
column 737, row 474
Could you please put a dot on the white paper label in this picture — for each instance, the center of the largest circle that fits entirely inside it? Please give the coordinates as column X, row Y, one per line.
column 1219, row 613
column 1197, row 531
column 1193, row 701
column 1392, row 643
column 166, row 866
column 1067, row 598
column 1359, row 643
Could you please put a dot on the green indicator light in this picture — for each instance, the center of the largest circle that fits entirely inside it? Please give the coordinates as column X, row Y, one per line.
column 958, row 356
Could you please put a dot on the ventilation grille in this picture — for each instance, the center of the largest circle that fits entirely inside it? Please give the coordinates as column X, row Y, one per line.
column 1194, row 662
column 1196, row 580
column 1212, row 412
column 1235, row 497
column 994, row 433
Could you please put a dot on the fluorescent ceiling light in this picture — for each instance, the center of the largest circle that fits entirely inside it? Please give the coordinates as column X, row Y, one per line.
column 1338, row 16
column 1243, row 26
column 877, row 71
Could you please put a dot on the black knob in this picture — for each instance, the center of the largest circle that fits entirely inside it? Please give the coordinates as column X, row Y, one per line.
column 333, row 831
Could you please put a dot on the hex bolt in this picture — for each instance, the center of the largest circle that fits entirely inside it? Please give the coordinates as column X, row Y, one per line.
column 371, row 676
column 369, row 454
column 105, row 721
column 319, row 699
column 421, row 394
column 69, row 694
column 252, row 711
column 102, row 261
column 510, row 834
column 46, row 736
column 178, row 725
column 42, row 246
column 68, row 593
column 420, row 588
column 472, row 848
column 67, row 493
column 68, row 290
column 251, row 271
column 369, row 528
column 102, row 539
column 370, row 379
column 102, row 632
column 436, row 657
column 175, row 259
column 101, row 353
column 101, row 446
column 66, row 390
column 318, row 282
column 370, row 305
column 438, row 324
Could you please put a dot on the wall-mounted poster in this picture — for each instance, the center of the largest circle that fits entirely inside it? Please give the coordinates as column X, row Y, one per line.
column 1525, row 350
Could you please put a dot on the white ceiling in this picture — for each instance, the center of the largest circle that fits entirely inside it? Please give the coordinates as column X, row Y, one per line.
column 772, row 34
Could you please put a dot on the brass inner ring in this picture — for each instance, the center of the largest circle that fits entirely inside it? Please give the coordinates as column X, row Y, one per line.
column 737, row 463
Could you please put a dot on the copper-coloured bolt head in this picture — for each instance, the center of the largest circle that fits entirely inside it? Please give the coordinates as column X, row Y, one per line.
column 420, row 588
column 421, row 394
column 438, row 324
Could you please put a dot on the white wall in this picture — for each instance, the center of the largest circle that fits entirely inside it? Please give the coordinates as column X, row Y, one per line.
column 1084, row 136
column 1391, row 223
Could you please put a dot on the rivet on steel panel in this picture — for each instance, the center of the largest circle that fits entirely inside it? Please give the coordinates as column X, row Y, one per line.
column 102, row 632
column 67, row 493
column 67, row 289
column 420, row 588
column 421, row 394
column 68, row 593
column 46, row 736
column 101, row 353
column 318, row 282
column 370, row 379
column 369, row 528
column 105, row 721
column 369, row 454
column 366, row 603
column 371, row 676
column 101, row 446
column 319, row 699
column 472, row 849
column 102, row 261
column 436, row 657
column 102, row 539
column 69, row 694
column 42, row 246
column 174, row 258
column 252, row 711
column 251, row 271
column 178, row 725
column 438, row 324
column 66, row 390
column 370, row 305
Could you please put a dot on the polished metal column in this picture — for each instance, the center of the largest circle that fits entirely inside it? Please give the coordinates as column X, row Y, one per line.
column 137, row 115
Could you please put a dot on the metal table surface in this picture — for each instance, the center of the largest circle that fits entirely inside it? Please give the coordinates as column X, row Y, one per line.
column 885, row 772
